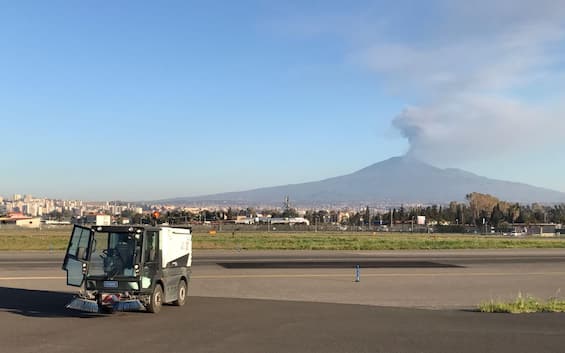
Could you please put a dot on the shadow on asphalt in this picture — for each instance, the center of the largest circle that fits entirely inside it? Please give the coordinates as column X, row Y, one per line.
column 334, row 264
column 38, row 303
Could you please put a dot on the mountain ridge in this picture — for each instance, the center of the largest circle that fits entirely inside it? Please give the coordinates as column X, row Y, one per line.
column 394, row 180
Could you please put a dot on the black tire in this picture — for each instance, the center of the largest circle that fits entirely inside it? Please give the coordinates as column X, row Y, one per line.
column 156, row 300
column 182, row 293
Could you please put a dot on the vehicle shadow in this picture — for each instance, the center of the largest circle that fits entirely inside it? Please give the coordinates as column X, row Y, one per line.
column 38, row 303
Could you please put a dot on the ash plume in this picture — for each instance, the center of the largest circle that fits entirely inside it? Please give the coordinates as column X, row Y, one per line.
column 486, row 77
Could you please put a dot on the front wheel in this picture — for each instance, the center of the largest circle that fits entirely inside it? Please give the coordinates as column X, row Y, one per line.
column 156, row 300
column 181, row 293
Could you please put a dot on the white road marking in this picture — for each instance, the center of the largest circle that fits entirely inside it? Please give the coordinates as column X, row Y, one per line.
column 30, row 262
column 29, row 278
column 328, row 275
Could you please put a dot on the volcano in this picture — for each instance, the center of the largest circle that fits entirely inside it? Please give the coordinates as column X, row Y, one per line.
column 392, row 181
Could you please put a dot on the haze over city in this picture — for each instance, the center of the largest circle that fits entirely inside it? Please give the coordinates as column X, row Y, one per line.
column 131, row 101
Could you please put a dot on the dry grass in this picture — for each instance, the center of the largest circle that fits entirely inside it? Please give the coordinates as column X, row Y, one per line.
column 523, row 305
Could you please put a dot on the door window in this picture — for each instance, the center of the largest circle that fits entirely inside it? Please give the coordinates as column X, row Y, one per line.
column 150, row 247
column 79, row 243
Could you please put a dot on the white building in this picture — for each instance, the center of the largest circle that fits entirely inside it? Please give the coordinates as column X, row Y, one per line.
column 103, row 220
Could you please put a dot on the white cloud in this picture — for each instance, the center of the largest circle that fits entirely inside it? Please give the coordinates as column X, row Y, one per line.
column 498, row 62
column 465, row 73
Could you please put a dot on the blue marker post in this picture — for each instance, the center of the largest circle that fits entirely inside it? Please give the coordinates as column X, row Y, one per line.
column 357, row 273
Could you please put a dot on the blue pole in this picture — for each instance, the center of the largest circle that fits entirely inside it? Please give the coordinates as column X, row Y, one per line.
column 357, row 273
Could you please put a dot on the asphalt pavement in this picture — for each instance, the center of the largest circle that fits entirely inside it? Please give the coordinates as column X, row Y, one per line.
column 299, row 302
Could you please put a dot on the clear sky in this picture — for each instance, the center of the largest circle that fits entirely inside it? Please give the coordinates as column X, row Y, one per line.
column 145, row 100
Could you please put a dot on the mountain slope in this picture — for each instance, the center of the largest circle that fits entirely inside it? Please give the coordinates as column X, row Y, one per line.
column 396, row 180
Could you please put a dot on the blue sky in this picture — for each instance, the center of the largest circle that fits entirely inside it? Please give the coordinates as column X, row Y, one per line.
column 131, row 100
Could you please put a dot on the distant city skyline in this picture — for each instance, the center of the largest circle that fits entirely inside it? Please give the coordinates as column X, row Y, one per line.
column 130, row 101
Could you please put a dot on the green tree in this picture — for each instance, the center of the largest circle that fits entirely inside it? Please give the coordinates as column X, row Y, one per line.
column 497, row 216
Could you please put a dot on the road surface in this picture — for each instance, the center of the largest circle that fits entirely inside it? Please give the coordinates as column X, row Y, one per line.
column 300, row 302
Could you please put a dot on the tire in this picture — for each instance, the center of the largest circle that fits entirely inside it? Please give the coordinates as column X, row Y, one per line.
column 156, row 300
column 182, row 293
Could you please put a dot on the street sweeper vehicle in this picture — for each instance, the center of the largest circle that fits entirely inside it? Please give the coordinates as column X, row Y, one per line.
column 124, row 268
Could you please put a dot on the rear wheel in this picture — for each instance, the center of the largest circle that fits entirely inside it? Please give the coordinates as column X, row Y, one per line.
column 182, row 292
column 156, row 300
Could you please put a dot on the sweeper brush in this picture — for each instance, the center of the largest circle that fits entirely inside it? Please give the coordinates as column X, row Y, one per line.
column 128, row 305
column 83, row 304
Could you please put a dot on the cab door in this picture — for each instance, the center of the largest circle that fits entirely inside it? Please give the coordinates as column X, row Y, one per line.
column 78, row 255
column 151, row 270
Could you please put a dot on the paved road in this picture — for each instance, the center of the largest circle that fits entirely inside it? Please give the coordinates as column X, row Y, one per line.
column 435, row 279
column 299, row 302
column 34, row 321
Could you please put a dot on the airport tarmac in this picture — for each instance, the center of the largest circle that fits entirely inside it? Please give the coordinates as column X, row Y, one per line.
column 300, row 301
column 456, row 279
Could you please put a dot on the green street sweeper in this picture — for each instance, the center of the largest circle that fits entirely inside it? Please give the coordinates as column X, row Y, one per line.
column 124, row 268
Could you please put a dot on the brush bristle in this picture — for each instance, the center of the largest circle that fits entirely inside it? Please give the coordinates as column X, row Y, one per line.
column 128, row 305
column 81, row 304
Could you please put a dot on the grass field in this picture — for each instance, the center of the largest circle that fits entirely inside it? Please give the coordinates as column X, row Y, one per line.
column 57, row 239
column 523, row 305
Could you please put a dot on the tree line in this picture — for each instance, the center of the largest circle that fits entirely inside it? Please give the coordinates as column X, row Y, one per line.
column 479, row 209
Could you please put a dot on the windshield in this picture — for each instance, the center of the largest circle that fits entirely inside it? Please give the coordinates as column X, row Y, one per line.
column 114, row 254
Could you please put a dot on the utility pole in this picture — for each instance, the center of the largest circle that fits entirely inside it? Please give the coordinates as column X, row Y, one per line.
column 287, row 206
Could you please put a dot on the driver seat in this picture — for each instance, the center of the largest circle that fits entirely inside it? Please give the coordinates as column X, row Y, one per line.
column 125, row 252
